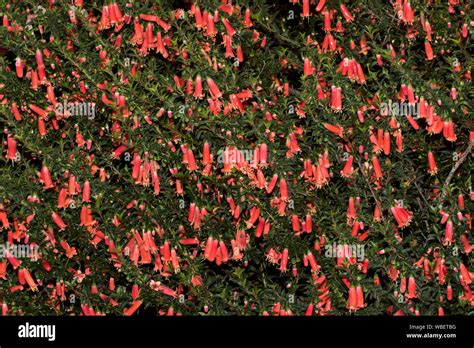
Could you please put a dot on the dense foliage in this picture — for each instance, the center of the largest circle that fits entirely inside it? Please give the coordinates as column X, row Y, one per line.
column 169, row 157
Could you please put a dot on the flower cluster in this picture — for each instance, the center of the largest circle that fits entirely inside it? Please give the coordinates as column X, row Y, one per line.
column 201, row 158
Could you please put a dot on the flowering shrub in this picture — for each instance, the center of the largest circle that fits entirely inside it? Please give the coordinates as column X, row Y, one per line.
column 247, row 157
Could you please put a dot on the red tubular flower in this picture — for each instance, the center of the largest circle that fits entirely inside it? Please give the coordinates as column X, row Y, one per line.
column 403, row 285
column 46, row 178
column 402, row 216
column 70, row 252
column 360, row 74
column 206, row 154
column 464, row 31
column 86, row 216
column 198, row 18
column 466, row 275
column 448, row 235
column 408, row 14
column 11, row 147
column 29, row 280
column 360, row 303
column 86, row 192
column 135, row 292
column 247, row 20
column 41, row 112
column 4, row 309
column 308, row 224
column 50, row 95
column 413, row 122
column 292, row 144
column 449, row 293
column 260, row 227
column 58, row 221
column 228, row 46
column 15, row 112
column 436, row 126
column 213, row 250
column 224, row 251
column 305, row 12
column 329, row 44
column 272, row 183
column 4, row 219
column 3, row 270
column 327, row 21
column 263, row 154
column 117, row 14
column 166, row 251
column 189, row 86
column 377, row 214
column 386, row 143
column 351, row 212
column 215, row 92
column 345, row 12
column 240, row 54
column 355, row 229
column 104, row 22
column 21, row 276
column 348, row 170
column 196, row 280
column 411, row 288
column 284, row 260
column 207, row 249
column 461, row 201
column 308, row 69
column 19, row 67
column 39, row 58
column 453, row 93
column 228, row 27
column 133, row 308
column 210, row 27
column 465, row 242
column 448, row 131
column 174, row 260
column 72, row 185
column 432, row 168
column 295, row 223
column 254, row 215
column 198, row 88
column 118, row 151
column 429, row 51
column 410, row 94
column 336, row 98
column 402, row 94
column 343, row 67
column 137, row 38
column 261, row 182
column 12, row 259
column 136, row 162
column 312, row 262
column 191, row 161
column 320, row 5
column 338, row 130
column 283, row 190
column 352, row 301
column 377, row 169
